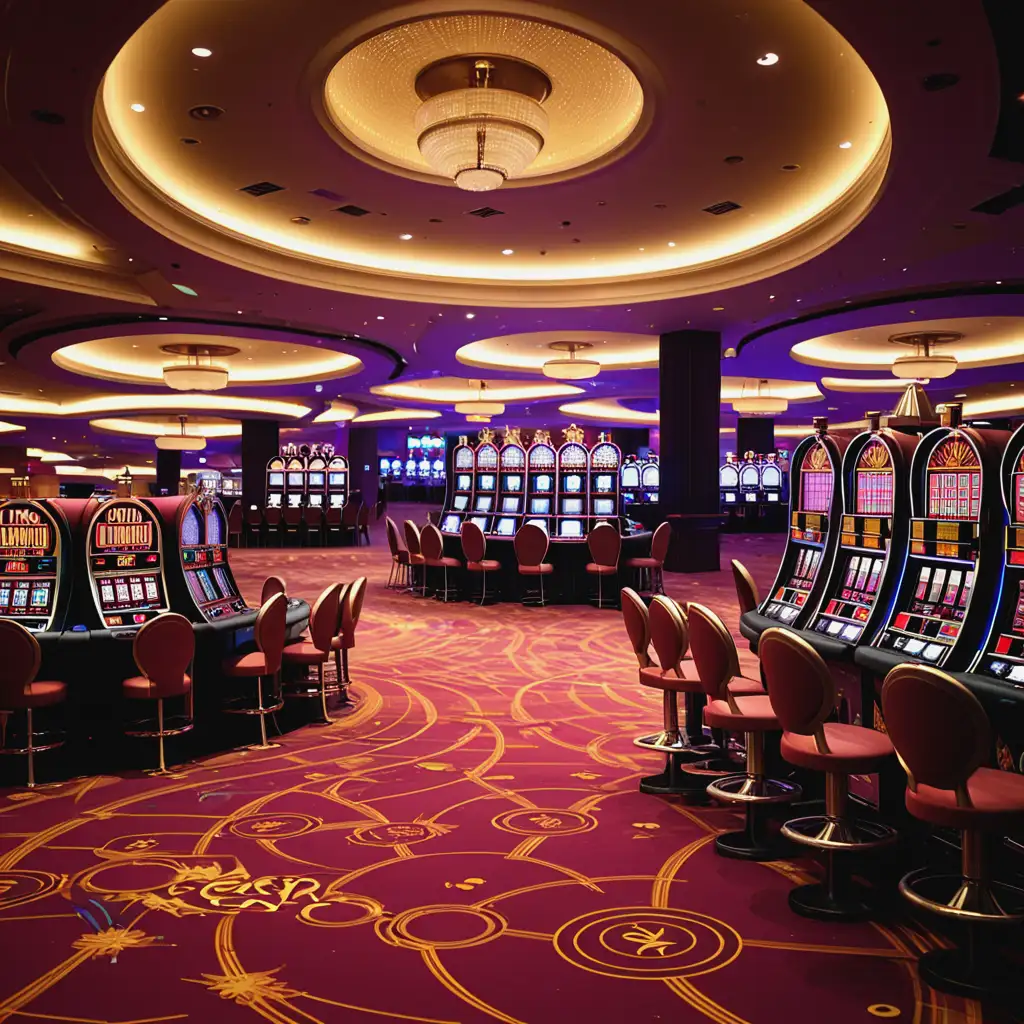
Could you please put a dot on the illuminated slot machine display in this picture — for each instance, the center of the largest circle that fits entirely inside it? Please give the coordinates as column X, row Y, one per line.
column 460, row 487
column 437, row 470
column 953, row 566
column 605, row 462
column 485, row 481
column 34, row 542
column 125, row 560
column 337, row 481
column 396, row 469
column 275, row 482
column 750, row 480
column 872, row 539
column 541, row 461
column 316, row 481
column 815, row 509
column 295, row 481
column 629, row 482
column 511, row 486
column 650, row 479
column 573, row 469
column 773, row 482
column 729, row 482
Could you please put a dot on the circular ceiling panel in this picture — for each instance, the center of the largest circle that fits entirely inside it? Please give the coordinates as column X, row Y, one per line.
column 446, row 390
column 529, row 352
column 157, row 426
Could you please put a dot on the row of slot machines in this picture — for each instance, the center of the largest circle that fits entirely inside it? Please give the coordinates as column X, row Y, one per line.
column 910, row 547
column 639, row 481
column 412, row 471
column 297, row 481
column 566, row 491
column 753, row 481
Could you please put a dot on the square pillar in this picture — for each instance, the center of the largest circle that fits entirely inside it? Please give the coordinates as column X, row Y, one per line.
column 260, row 443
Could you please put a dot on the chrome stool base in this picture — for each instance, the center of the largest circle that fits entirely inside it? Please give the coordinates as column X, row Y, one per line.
column 670, row 782
column 753, row 789
column 838, row 835
column 755, row 792
column 673, row 742
column 825, row 902
column 969, row 900
column 970, row 974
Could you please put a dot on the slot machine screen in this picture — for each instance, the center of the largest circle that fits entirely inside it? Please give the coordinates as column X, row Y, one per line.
column 509, row 504
column 816, row 480
column 513, row 483
column 294, row 500
column 543, row 482
column 630, row 476
column 570, row 528
column 29, row 560
column 572, row 507
column 483, row 503
column 336, row 479
column 450, row 524
column 275, row 479
column 603, row 484
column 487, row 482
column 540, row 506
column 771, row 476
column 295, row 479
column 749, row 477
column 223, row 583
column 730, row 496
column 480, row 521
column 383, row 467
column 604, row 507
column 461, row 502
column 542, row 523
column 317, row 479
column 464, row 482
column 573, row 483
column 506, row 527
column 316, row 501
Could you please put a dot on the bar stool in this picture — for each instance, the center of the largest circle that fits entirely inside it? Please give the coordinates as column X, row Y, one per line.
column 235, row 524
column 399, row 574
column 254, row 520
column 943, row 738
column 605, row 544
column 264, row 662
column 271, row 585
column 21, row 691
column 272, row 524
column 292, row 523
column 432, row 547
column 653, row 566
column 332, row 525
column 737, row 707
column 313, row 517
column 350, row 520
column 363, row 523
column 531, row 548
column 163, row 650
column 345, row 637
column 416, row 560
column 746, row 588
column 316, row 648
column 803, row 696
column 474, row 550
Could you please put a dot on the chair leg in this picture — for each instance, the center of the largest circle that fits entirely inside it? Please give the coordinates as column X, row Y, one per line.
column 31, row 752
column 160, row 730
column 323, row 693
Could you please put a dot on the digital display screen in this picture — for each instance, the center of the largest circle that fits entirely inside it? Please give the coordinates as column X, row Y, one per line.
column 630, row 476
column 570, row 528
column 513, row 483
column 486, row 482
column 603, row 483
column 129, row 592
column 295, row 479
column 122, row 526
column 483, row 503
column 460, row 502
column 275, row 479
column 572, row 483
column 572, row 506
column 464, row 482
column 540, row 506
column 316, row 479
column 24, row 531
column 506, row 527
column 480, row 521
column 509, row 504
column 451, row 524
column 383, row 466
column 542, row 482
column 604, row 507
column 336, row 479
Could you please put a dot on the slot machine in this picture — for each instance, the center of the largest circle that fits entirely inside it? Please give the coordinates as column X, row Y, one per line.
column 460, row 487
column 316, row 481
column 573, row 467
column 605, row 460
column 437, row 470
column 295, row 481
column 650, row 479
column 953, row 566
column 410, row 470
column 541, row 462
column 512, row 485
column 396, row 469
column 629, row 482
column 485, row 481
column 749, row 481
column 773, row 489
column 815, row 510
column 337, row 480
column 275, row 482
column 729, row 485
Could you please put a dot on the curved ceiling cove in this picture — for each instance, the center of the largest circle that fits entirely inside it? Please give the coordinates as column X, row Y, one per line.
column 182, row 143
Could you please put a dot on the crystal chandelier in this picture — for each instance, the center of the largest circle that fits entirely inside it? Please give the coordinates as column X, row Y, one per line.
column 759, row 402
column 925, row 363
column 481, row 121
column 198, row 372
column 479, row 410
column 181, row 442
column 571, row 368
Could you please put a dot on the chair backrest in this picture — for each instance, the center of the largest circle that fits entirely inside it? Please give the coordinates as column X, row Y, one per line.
column 605, row 544
column 746, row 588
column 392, row 531
column 323, row 619
column 412, row 537
column 660, row 542
column 378, row 510
column 474, row 543
column 363, row 518
column 713, row 649
column 270, row 629
column 800, row 685
column 637, row 623
column 292, row 515
column 938, row 727
column 272, row 585
column 19, row 664
column 352, row 606
column 669, row 634
column 313, row 514
column 333, row 516
column 272, row 515
column 350, row 513
column 431, row 542
column 531, row 544
column 253, row 516
column 163, row 650
column 235, row 518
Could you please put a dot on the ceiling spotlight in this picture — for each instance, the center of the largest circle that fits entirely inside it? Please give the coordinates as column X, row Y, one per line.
column 181, row 442
column 406, row 237
column 717, row 309
column 380, row 318
column 469, row 316
column 759, row 401
column 201, row 51
column 768, row 59
column 198, row 372
column 571, row 368
column 507, row 252
column 138, row 108
column 845, row 145
column 480, row 406
column 202, row 460
column 925, row 362
column 671, row 245
column 318, row 388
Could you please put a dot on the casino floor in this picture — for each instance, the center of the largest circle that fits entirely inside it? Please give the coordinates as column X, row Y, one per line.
column 467, row 845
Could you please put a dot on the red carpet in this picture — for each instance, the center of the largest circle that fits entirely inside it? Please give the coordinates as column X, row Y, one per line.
column 467, row 846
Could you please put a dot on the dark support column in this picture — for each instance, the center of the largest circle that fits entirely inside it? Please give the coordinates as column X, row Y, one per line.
column 259, row 445
column 630, row 439
column 690, row 392
column 755, row 434
column 168, row 471
column 362, row 462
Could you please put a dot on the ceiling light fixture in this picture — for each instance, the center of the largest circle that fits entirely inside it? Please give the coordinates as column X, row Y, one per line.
column 405, row 237
column 925, row 362
column 759, row 401
column 845, row 145
column 181, row 442
column 195, row 374
column 202, row 51
column 480, row 406
column 507, row 252
column 571, row 368
column 768, row 59
column 481, row 121
column 138, row 108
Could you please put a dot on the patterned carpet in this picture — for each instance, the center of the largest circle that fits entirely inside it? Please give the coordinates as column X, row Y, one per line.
column 467, row 845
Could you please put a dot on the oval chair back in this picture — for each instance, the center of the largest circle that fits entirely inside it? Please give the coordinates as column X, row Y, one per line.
column 350, row 513
column 412, row 537
column 19, row 664
column 253, row 516
column 163, row 650
column 270, row 629
column 352, row 608
column 669, row 634
column 531, row 544
column 713, row 650
column 800, row 685
column 272, row 515
column 392, row 532
column 431, row 543
column 938, row 727
column 323, row 619
column 271, row 585
column 235, row 518
column 660, row 541
column 637, row 622
column 313, row 515
column 474, row 543
column 746, row 588
column 605, row 544
column 292, row 515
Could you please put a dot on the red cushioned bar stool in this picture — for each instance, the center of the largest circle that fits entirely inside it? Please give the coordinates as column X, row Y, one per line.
column 944, row 740
column 752, row 715
column 316, row 648
column 474, row 550
column 746, row 588
column 432, row 546
column 163, row 650
column 399, row 575
column 21, row 691
column 605, row 545
column 272, row 585
column 263, row 663
column 803, row 695
column 417, row 562
column 345, row 639
column 531, row 547
column 652, row 567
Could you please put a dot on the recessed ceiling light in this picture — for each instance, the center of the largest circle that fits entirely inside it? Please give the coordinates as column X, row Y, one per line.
column 771, row 296
column 406, row 237
column 138, row 108
column 201, row 51
column 845, row 145
column 318, row 388
column 507, row 252
column 768, row 59
column 380, row 318
column 641, row 248
column 963, row 394
column 671, row 245
column 469, row 316
column 161, row 318
column 717, row 309
column 999, row 282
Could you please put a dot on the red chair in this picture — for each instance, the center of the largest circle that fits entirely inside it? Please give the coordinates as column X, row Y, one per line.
column 416, row 560
column 292, row 523
column 332, row 524
column 254, row 522
column 474, row 550
column 746, row 588
column 531, row 547
column 738, row 705
column 272, row 524
column 803, row 696
column 235, row 525
column 313, row 517
column 163, row 650
column 638, row 626
column 350, row 520
column 316, row 648
column 605, row 544
column 399, row 575
column 432, row 547
column 653, row 566
column 944, row 740
column 345, row 639
column 271, row 585
column 363, row 523
column 21, row 691
column 263, row 663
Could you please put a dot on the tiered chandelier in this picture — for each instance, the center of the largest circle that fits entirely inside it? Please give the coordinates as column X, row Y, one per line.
column 925, row 363
column 571, row 368
column 480, row 410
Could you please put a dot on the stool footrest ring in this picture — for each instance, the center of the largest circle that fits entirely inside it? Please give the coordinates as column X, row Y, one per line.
column 838, row 834
column 968, row 900
column 753, row 789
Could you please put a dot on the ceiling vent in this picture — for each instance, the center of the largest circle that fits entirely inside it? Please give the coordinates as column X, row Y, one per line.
column 483, row 212
column 352, row 210
column 717, row 209
column 205, row 112
column 326, row 193
column 1001, row 203
column 262, row 188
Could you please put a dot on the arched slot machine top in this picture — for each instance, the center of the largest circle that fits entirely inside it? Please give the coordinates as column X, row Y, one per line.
column 511, row 485
column 34, row 577
column 573, row 485
column 541, row 462
column 605, row 460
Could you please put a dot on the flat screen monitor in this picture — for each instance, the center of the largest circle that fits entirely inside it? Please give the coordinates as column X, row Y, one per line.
column 630, row 476
column 603, row 483
column 294, row 500
column 464, row 482
column 513, row 482
column 572, row 506
column 509, row 504
column 542, row 482
column 336, row 479
column 337, row 500
column 450, row 524
column 384, row 466
column 316, row 479
column 542, row 523
column 570, row 528
column 275, row 479
column 461, row 502
column 506, row 527
column 652, row 497
column 274, row 501
column 486, row 482
column 604, row 506
column 295, row 479
column 573, row 483
column 540, row 506
column 483, row 503
column 480, row 521
column 316, row 500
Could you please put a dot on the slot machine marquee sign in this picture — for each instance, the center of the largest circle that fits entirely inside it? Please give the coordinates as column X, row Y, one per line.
column 29, row 562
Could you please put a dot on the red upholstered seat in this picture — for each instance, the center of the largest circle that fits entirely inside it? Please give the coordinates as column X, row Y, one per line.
column 756, row 715
column 343, row 642
column 544, row 569
column 487, row 565
column 853, row 749
column 304, row 653
column 741, row 686
column 40, row 694
column 252, row 664
column 143, row 688
column 654, row 678
column 415, row 558
column 602, row 570
column 998, row 799
column 444, row 561
column 643, row 563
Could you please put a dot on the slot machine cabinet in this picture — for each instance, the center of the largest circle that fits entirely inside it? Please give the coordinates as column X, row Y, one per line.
column 275, row 482
column 485, row 481
column 459, row 489
column 316, row 481
column 953, row 566
column 541, row 463
column 650, row 479
column 573, row 478
column 729, row 490
column 295, row 481
column 773, row 488
column 511, row 486
column 629, row 483
column 815, row 510
column 750, row 490
column 605, row 461
column 337, row 481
